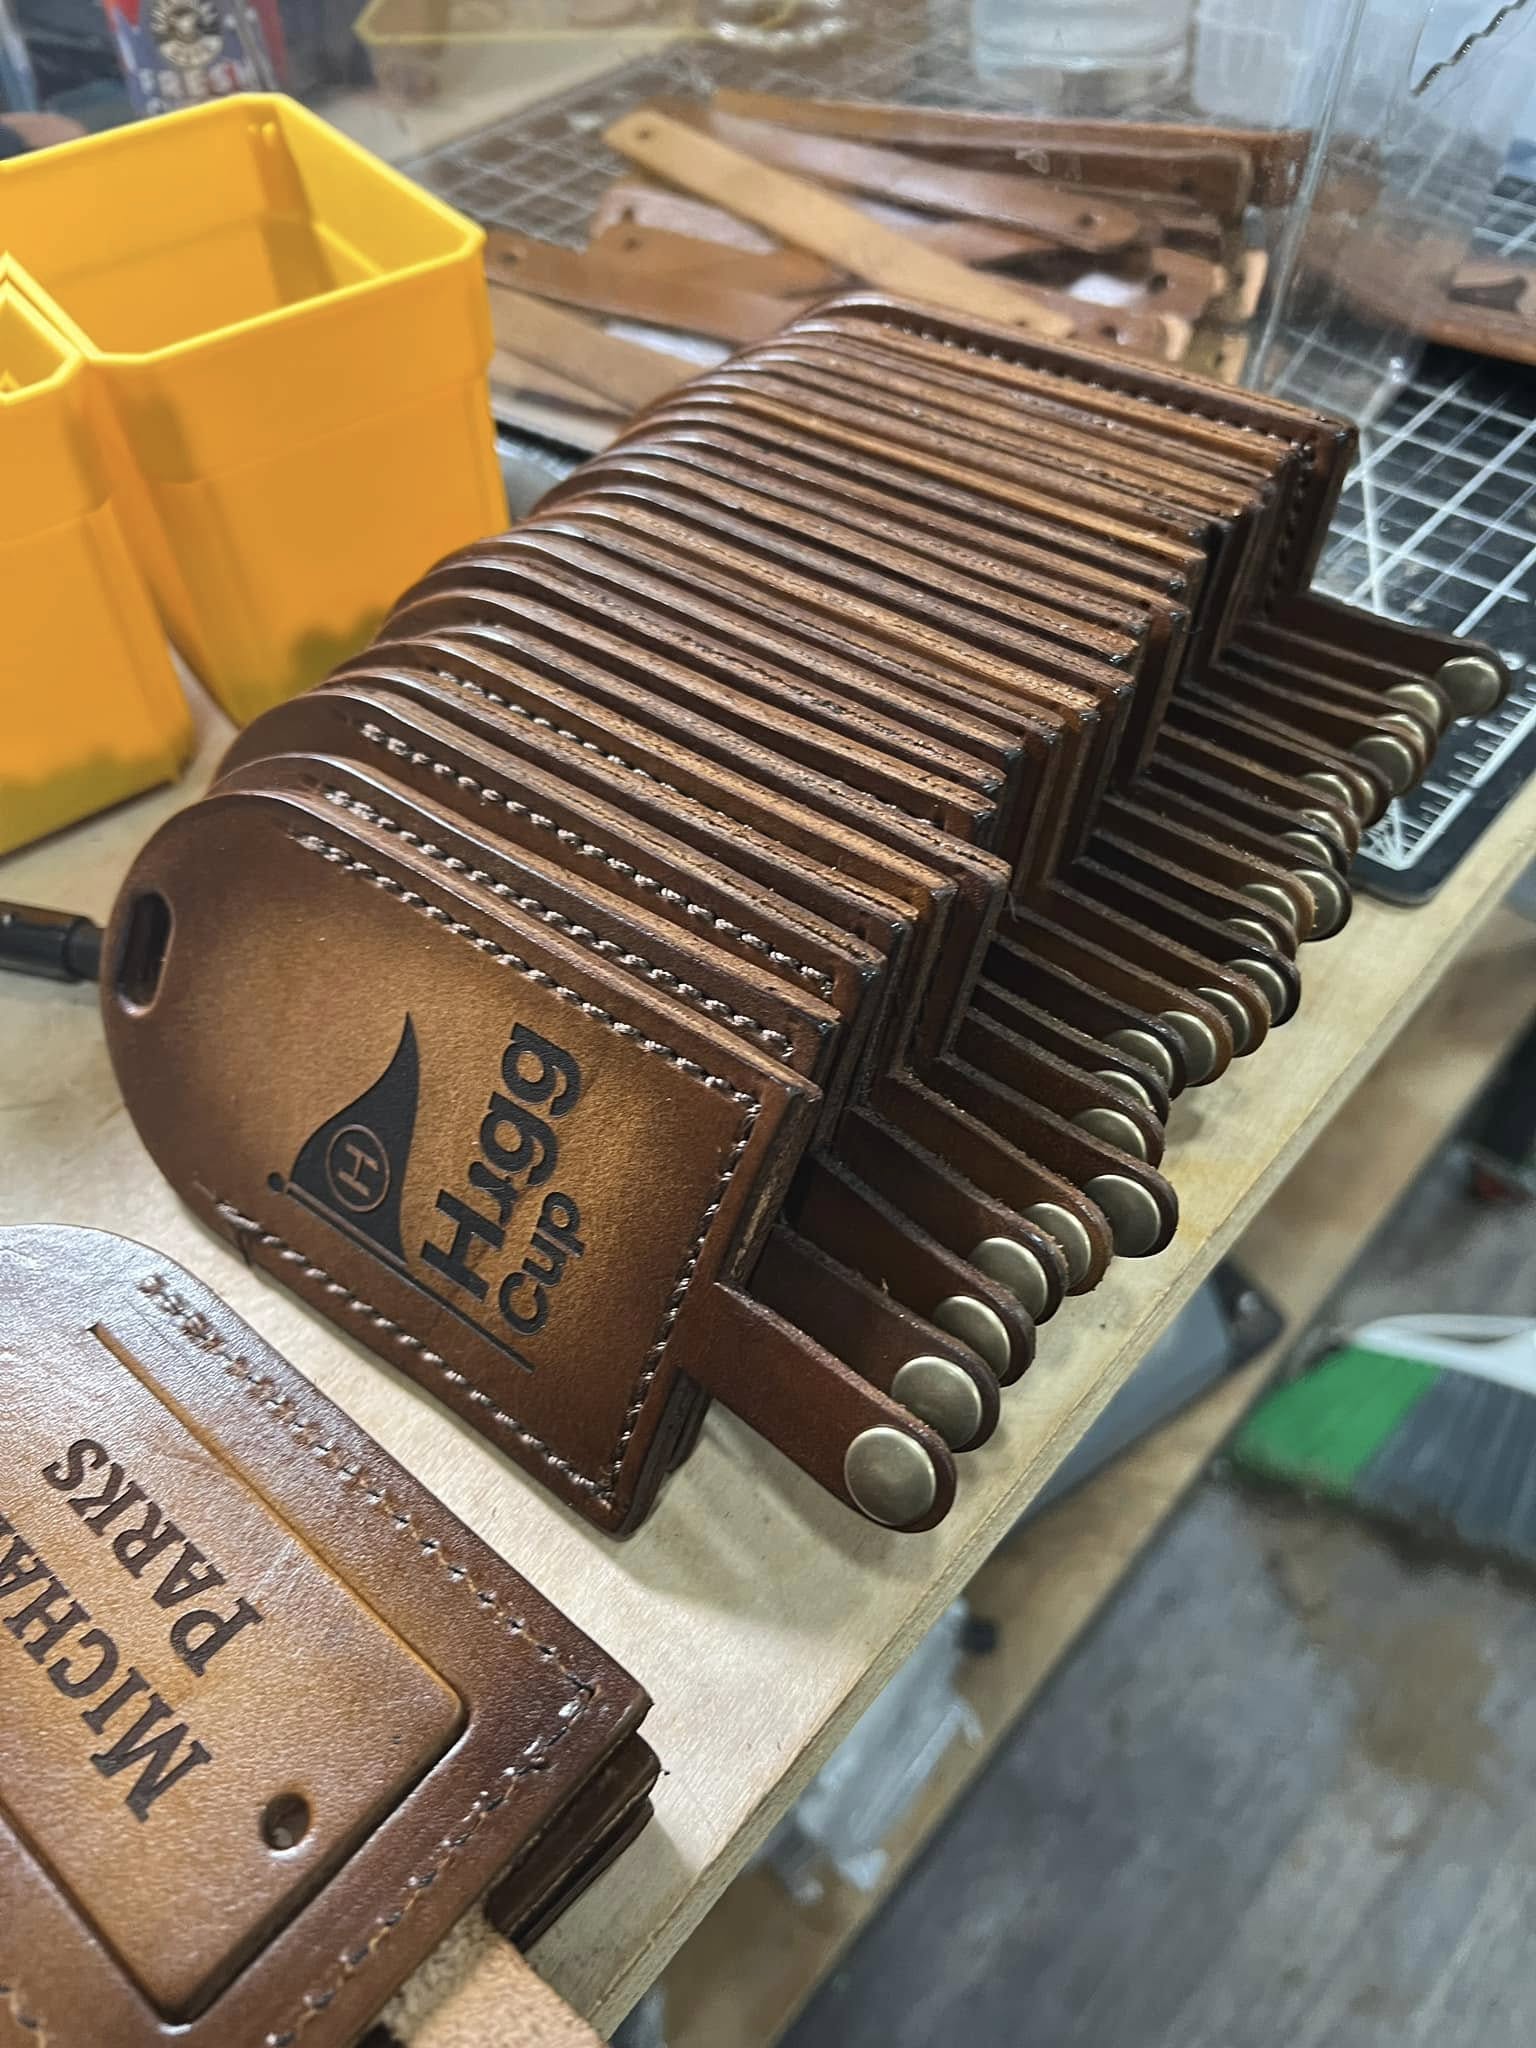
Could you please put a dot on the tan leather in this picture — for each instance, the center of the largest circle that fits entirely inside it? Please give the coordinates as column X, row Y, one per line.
column 1488, row 308
column 587, row 279
column 805, row 216
column 1277, row 155
column 635, row 201
column 666, row 252
column 738, row 299
column 269, row 1708
column 736, row 927
column 617, row 372
column 492, row 1068
column 1001, row 197
column 982, row 205
column 116, row 1465
column 640, row 224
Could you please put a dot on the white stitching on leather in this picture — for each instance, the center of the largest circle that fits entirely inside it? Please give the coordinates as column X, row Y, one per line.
column 473, row 688
column 342, row 1295
column 196, row 1328
column 338, row 857
column 288, row 1254
column 636, row 962
column 489, row 794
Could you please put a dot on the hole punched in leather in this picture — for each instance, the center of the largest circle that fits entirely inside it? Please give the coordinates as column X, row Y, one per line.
column 739, row 935
column 140, row 955
column 285, row 1821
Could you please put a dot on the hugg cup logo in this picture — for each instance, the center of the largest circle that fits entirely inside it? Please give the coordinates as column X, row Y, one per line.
column 519, row 1153
column 501, row 1240
column 357, row 1168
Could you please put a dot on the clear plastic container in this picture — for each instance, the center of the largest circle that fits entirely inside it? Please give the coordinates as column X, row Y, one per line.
column 1391, row 117
column 1415, row 124
column 1086, row 56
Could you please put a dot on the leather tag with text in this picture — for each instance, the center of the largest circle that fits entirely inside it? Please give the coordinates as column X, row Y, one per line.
column 506, row 1163
column 254, row 1682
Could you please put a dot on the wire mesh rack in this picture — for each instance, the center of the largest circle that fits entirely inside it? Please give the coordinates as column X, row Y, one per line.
column 544, row 170
column 1437, row 525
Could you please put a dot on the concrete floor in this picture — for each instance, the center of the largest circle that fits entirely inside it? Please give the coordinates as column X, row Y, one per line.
column 1283, row 1796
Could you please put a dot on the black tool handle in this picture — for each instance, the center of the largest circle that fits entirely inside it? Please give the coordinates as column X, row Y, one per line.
column 53, row 944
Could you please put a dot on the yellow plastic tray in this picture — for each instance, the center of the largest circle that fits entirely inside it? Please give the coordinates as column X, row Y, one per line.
column 90, row 707
column 295, row 341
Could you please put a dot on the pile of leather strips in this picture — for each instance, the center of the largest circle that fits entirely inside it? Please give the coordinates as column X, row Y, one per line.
column 733, row 214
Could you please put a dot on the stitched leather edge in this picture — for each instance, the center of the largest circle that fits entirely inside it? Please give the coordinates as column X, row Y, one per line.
column 580, row 518
column 195, row 1329
column 535, row 1906
column 877, row 804
column 602, row 1487
column 1198, row 407
column 686, row 992
column 343, row 1296
column 489, row 794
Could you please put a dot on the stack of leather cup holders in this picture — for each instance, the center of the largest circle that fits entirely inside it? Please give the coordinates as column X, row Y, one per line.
column 741, row 932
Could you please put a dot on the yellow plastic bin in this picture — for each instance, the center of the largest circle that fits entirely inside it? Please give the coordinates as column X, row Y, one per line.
column 296, row 340
column 90, row 707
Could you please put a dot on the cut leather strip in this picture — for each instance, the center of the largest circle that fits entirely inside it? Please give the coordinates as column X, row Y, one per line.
column 624, row 374
column 1078, row 1044
column 856, row 1224
column 583, row 278
column 999, row 197
column 1278, row 155
column 808, row 218
column 624, row 243
column 808, row 1403
column 861, row 1323
column 1064, row 1077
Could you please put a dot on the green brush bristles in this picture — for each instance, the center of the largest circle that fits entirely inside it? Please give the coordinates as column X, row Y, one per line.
column 1321, row 1430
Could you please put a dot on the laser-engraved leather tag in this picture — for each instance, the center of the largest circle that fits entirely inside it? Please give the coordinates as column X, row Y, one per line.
column 509, row 1164
column 243, row 1661
column 195, row 1697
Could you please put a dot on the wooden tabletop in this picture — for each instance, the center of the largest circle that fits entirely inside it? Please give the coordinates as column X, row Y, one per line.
column 761, row 1614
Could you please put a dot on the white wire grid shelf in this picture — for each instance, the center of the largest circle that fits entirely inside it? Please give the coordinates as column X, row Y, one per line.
column 1437, row 525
